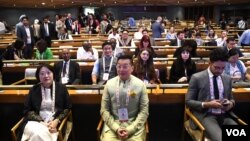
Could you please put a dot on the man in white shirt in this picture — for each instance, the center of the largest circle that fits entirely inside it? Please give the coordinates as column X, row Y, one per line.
column 2, row 28
column 222, row 40
column 87, row 52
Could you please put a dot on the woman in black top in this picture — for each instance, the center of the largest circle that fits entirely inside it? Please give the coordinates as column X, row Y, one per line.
column 183, row 67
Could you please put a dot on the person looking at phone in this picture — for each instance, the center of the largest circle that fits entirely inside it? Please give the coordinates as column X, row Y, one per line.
column 210, row 96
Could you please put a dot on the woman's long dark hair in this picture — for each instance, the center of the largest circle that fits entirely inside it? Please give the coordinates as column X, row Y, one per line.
column 180, row 61
column 140, row 68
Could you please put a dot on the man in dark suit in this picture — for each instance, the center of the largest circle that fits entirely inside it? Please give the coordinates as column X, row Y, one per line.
column 157, row 28
column 210, row 96
column 231, row 43
column 25, row 32
column 68, row 23
column 67, row 71
column 179, row 40
column 47, row 31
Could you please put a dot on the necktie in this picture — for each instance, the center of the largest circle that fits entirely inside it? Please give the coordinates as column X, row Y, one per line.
column 64, row 68
column 216, row 89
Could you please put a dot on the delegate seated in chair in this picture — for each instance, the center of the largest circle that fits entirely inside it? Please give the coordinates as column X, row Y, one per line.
column 45, row 107
column 210, row 96
column 124, row 106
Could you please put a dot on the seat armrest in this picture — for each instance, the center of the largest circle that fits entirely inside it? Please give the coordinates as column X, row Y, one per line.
column 14, row 128
column 195, row 120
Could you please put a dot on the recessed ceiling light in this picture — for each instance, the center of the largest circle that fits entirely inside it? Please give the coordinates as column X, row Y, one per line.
column 72, row 2
column 43, row 3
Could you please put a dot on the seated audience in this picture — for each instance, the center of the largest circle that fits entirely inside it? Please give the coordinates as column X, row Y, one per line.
column 145, row 43
column 192, row 47
column 67, row 71
column 171, row 34
column 211, row 38
column 183, row 67
column 126, row 40
column 117, row 50
column 222, row 40
column 114, row 34
column 144, row 67
column 179, row 40
column 231, row 43
column 43, row 52
column 138, row 35
column 87, row 51
column 235, row 67
column 104, row 68
column 198, row 39
column 124, row 119
column 45, row 107
column 14, row 51
column 152, row 40
column 63, row 34
column 210, row 97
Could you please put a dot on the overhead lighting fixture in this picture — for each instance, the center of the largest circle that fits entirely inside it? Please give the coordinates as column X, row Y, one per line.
column 14, row 5
column 115, row 2
column 43, row 3
column 35, row 5
column 146, row 2
column 178, row 2
column 100, row 0
column 72, row 2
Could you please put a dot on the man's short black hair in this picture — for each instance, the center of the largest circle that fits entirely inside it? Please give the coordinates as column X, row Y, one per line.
column 106, row 43
column 218, row 54
column 230, row 39
column 123, row 57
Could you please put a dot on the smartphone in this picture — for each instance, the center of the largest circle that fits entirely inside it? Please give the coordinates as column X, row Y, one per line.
column 225, row 103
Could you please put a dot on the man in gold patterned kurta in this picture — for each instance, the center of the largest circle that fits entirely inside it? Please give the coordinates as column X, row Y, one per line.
column 124, row 106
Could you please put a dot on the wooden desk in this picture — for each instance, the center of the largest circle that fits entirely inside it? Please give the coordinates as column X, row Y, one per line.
column 86, row 97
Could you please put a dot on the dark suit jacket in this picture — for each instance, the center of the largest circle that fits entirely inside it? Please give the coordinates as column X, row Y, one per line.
column 199, row 91
column 21, row 33
column 174, row 42
column 51, row 31
column 34, row 99
column 157, row 29
column 68, row 25
column 238, row 50
column 74, row 72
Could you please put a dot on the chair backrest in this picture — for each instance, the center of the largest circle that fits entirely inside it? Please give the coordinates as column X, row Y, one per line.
column 30, row 73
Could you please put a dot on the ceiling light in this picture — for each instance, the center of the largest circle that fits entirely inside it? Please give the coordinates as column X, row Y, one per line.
column 72, row 2
column 43, row 3
column 14, row 5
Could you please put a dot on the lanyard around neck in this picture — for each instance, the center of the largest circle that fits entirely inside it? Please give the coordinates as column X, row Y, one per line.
column 110, row 65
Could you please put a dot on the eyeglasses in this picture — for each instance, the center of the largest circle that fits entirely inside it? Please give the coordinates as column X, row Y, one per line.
column 127, row 66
